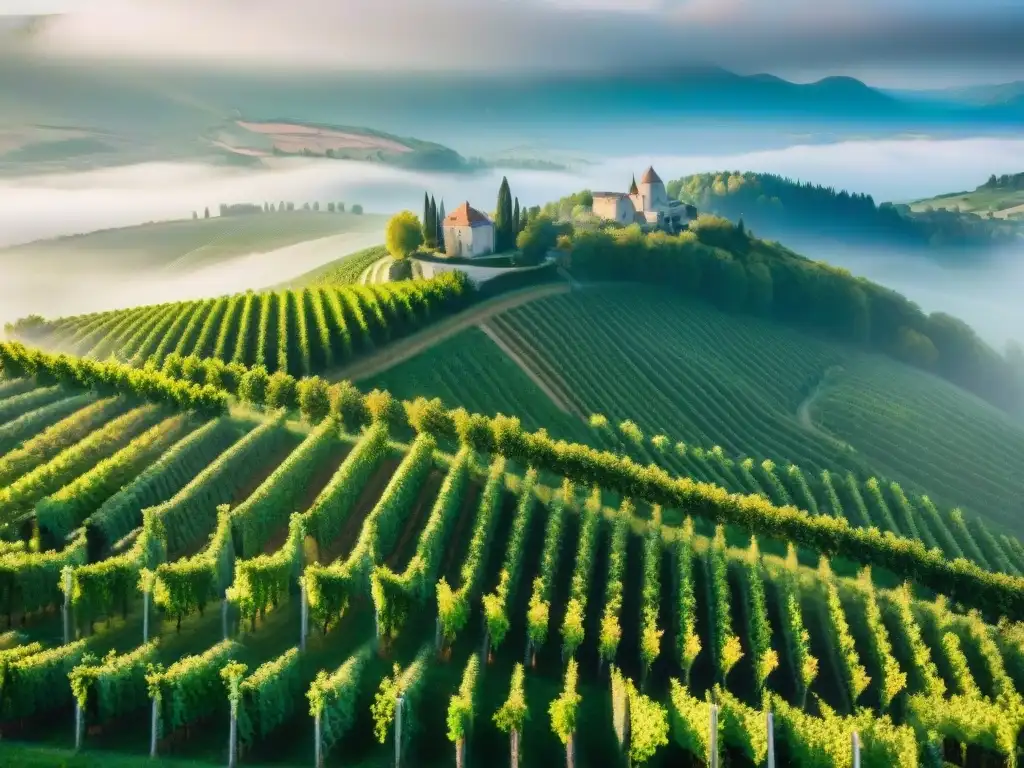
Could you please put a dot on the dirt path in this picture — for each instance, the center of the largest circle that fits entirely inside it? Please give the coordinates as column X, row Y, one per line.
column 403, row 349
column 803, row 413
column 560, row 402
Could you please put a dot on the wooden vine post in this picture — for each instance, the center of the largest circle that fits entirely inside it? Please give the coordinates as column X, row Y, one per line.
column 304, row 615
column 154, row 676
column 66, row 575
column 147, row 579
column 513, row 739
column 713, row 736
column 856, row 749
column 232, row 674
column 79, row 724
column 771, row 739
column 318, row 752
column 398, row 731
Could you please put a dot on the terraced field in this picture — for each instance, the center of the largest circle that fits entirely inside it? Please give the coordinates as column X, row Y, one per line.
column 705, row 378
column 457, row 549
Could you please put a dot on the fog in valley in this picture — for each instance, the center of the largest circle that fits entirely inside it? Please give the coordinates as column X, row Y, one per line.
column 985, row 295
column 67, row 281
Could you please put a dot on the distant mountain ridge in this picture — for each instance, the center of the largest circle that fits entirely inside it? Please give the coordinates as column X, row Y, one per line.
column 987, row 95
column 146, row 112
column 699, row 88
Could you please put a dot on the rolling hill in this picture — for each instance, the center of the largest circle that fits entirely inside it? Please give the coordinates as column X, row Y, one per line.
column 785, row 209
column 101, row 114
column 703, row 478
column 1000, row 197
column 705, row 379
column 185, row 245
column 627, row 587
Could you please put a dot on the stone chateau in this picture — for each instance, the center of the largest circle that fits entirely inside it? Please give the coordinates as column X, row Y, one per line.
column 646, row 203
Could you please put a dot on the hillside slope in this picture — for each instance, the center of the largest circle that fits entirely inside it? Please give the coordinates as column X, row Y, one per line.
column 400, row 545
column 705, row 378
column 782, row 208
column 1001, row 197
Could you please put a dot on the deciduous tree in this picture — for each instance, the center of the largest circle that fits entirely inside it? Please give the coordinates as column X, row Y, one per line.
column 404, row 234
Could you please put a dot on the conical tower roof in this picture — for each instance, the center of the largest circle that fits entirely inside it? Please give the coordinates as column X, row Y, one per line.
column 632, row 187
column 650, row 177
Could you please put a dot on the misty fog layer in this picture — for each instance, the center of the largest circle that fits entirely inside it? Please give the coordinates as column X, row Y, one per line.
column 53, row 292
column 49, row 205
column 987, row 297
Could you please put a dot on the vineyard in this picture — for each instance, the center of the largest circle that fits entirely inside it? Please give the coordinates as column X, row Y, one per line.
column 344, row 271
column 359, row 579
column 300, row 332
column 683, row 373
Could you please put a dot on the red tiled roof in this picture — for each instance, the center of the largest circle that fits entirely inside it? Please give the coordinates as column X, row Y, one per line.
column 650, row 177
column 466, row 216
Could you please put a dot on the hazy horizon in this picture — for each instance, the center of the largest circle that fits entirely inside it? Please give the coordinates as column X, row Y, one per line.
column 896, row 43
column 133, row 194
column 112, row 197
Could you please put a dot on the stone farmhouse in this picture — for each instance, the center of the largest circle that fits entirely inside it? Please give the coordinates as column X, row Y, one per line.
column 646, row 203
column 468, row 233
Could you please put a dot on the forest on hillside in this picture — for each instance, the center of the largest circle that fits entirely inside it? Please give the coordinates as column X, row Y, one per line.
column 775, row 206
column 724, row 264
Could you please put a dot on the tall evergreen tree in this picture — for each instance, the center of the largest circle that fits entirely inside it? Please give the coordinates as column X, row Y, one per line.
column 426, row 218
column 524, row 218
column 440, row 225
column 432, row 239
column 515, row 221
column 503, row 217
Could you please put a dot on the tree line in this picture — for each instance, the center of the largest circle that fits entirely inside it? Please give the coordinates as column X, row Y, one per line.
column 243, row 209
column 724, row 264
column 773, row 203
column 1006, row 181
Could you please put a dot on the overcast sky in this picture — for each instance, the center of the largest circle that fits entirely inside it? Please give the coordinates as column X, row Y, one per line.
column 891, row 43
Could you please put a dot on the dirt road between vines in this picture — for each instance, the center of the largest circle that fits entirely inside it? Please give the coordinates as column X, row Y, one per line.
column 559, row 401
column 399, row 351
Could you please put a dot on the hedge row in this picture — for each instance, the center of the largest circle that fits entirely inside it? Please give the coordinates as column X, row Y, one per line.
column 994, row 594
column 17, row 361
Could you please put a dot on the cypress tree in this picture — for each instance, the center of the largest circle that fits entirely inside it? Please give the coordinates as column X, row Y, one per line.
column 440, row 225
column 503, row 216
column 426, row 219
column 524, row 219
column 510, row 225
column 432, row 239
column 515, row 221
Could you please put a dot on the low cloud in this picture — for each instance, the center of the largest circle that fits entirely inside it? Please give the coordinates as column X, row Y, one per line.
column 551, row 35
column 48, row 205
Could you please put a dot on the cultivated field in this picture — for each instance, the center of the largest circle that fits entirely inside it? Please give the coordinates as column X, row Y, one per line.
column 756, row 389
column 300, row 331
column 1002, row 203
column 344, row 271
column 422, row 541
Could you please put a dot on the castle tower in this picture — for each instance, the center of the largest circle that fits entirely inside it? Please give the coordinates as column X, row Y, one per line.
column 652, row 191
